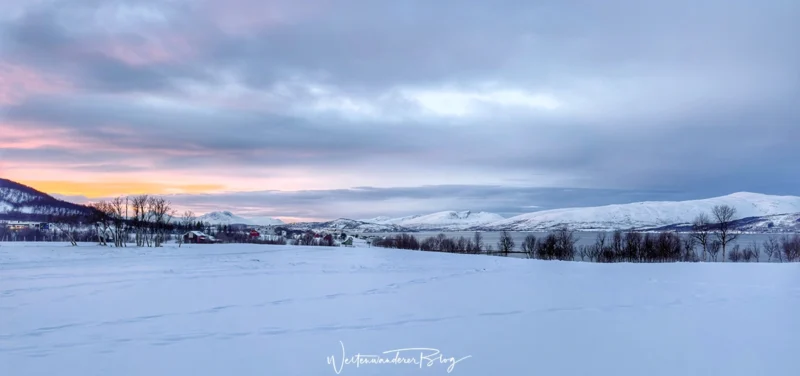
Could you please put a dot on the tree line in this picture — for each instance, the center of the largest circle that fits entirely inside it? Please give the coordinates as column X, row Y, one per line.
column 710, row 235
column 144, row 220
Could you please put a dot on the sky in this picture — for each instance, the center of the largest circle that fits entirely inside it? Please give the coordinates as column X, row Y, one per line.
column 357, row 108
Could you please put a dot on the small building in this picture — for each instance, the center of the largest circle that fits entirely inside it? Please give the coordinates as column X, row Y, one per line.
column 197, row 237
column 24, row 225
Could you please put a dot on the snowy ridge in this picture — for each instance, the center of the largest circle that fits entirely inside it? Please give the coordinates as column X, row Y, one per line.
column 20, row 202
column 779, row 223
column 342, row 224
column 228, row 218
column 446, row 220
column 648, row 214
column 783, row 221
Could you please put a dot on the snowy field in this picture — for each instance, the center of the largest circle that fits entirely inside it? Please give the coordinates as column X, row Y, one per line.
column 285, row 310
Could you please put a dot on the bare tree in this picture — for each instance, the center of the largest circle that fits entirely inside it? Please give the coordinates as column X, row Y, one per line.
column 161, row 213
column 506, row 243
column 736, row 254
column 68, row 225
column 791, row 247
column 724, row 215
column 772, row 248
column 713, row 249
column 701, row 228
column 187, row 220
column 101, row 220
column 547, row 248
column 529, row 246
column 689, row 244
column 117, row 209
column 599, row 247
column 139, row 206
column 565, row 244
column 477, row 240
column 753, row 251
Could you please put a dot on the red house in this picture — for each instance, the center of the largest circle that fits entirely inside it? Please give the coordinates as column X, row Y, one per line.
column 254, row 234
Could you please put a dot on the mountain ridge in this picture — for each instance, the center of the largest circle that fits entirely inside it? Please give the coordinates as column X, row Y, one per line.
column 439, row 221
column 648, row 214
column 225, row 217
column 755, row 212
column 21, row 202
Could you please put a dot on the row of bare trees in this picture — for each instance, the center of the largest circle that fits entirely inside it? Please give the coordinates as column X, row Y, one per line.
column 632, row 246
column 438, row 243
column 150, row 219
column 617, row 246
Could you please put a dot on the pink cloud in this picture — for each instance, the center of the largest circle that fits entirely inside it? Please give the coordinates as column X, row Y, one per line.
column 18, row 82
column 155, row 49
column 31, row 136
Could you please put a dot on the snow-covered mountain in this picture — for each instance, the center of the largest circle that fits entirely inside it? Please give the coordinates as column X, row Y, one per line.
column 649, row 214
column 265, row 221
column 755, row 212
column 344, row 224
column 779, row 223
column 21, row 202
column 782, row 222
column 381, row 219
column 441, row 221
column 228, row 218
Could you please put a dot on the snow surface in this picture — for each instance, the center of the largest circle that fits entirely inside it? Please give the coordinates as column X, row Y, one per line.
column 282, row 310
column 446, row 220
column 649, row 213
column 228, row 218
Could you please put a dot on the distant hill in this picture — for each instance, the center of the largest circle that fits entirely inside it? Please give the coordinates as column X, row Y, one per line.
column 344, row 224
column 656, row 214
column 228, row 218
column 768, row 223
column 754, row 212
column 440, row 221
column 19, row 202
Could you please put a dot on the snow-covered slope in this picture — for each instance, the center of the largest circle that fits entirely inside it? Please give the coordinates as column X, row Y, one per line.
column 778, row 223
column 223, row 218
column 381, row 219
column 446, row 220
column 255, row 310
column 228, row 218
column 21, row 202
column 265, row 221
column 784, row 222
column 349, row 225
column 648, row 214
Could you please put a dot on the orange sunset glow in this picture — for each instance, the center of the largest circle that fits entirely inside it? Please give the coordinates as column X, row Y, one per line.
column 108, row 189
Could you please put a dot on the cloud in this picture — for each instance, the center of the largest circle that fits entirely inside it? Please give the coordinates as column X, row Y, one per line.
column 369, row 202
column 684, row 96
